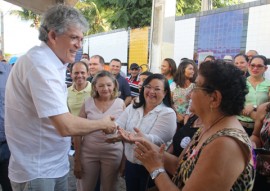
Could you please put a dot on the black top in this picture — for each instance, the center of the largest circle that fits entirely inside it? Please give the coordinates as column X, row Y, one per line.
column 183, row 136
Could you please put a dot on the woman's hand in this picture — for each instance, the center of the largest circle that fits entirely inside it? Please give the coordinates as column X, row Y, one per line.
column 117, row 137
column 247, row 110
column 150, row 155
column 180, row 117
column 131, row 137
column 77, row 169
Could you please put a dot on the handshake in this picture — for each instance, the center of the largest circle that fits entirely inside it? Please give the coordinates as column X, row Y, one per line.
column 108, row 125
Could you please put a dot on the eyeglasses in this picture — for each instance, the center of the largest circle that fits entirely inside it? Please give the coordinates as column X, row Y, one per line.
column 156, row 89
column 253, row 66
column 75, row 39
column 196, row 87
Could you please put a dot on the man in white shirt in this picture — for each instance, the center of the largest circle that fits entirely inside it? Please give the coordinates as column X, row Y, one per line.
column 38, row 122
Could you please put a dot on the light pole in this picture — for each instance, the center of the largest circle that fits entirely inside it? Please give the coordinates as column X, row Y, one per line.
column 206, row 5
column 162, row 33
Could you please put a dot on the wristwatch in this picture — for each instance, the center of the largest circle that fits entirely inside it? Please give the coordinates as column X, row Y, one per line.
column 254, row 107
column 156, row 172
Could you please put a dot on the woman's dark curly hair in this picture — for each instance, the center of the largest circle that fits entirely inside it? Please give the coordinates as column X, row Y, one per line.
column 229, row 81
column 166, row 100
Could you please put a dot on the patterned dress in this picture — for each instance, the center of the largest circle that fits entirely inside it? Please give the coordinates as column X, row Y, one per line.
column 187, row 162
column 265, row 137
column 181, row 97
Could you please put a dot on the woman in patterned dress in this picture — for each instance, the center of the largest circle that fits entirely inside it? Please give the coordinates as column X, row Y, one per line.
column 261, row 138
column 219, row 157
column 181, row 88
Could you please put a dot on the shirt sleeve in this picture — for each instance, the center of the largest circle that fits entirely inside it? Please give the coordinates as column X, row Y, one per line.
column 47, row 90
column 164, row 127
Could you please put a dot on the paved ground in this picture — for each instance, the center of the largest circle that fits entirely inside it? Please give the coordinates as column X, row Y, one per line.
column 72, row 181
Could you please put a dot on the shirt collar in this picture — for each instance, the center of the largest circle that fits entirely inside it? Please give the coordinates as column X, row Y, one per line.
column 158, row 108
column 86, row 89
column 58, row 63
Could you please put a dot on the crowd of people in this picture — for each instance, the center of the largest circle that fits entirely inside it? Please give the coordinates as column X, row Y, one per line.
column 193, row 126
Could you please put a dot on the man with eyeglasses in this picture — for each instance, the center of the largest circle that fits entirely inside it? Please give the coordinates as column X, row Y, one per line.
column 133, row 80
column 37, row 122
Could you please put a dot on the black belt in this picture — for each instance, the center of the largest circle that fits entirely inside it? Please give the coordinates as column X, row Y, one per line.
column 2, row 142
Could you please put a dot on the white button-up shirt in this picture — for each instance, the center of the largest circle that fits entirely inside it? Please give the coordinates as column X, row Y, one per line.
column 158, row 126
column 36, row 90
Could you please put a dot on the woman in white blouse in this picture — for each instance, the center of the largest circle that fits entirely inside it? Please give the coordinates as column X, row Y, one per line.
column 155, row 118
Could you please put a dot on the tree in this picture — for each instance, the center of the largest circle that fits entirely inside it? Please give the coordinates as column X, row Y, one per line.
column 88, row 8
column 27, row 15
column 137, row 13
column 103, row 15
column 127, row 13
column 184, row 7
column 96, row 20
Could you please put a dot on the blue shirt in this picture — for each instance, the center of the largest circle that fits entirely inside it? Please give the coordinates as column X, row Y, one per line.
column 123, row 87
column 4, row 72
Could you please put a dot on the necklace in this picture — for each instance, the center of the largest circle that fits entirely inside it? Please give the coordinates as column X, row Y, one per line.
column 192, row 150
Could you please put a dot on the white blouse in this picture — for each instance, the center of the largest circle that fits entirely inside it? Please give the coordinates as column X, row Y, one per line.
column 158, row 126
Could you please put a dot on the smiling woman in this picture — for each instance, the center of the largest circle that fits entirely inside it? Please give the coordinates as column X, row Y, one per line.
column 154, row 116
column 220, row 148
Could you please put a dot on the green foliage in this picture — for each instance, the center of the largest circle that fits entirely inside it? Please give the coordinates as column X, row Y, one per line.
column 97, row 23
column 127, row 13
column 220, row 3
column 184, row 7
column 103, row 15
column 27, row 15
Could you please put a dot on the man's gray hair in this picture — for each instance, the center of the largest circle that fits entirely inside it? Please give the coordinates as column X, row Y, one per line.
column 59, row 18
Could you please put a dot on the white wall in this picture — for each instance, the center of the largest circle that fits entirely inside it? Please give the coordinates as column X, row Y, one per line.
column 184, row 39
column 258, row 34
column 110, row 45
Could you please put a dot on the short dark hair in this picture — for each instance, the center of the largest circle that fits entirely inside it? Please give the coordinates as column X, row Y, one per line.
column 241, row 54
column 166, row 100
column 101, row 59
column 78, row 62
column 229, row 81
column 261, row 57
column 146, row 73
column 85, row 54
column 211, row 57
column 116, row 60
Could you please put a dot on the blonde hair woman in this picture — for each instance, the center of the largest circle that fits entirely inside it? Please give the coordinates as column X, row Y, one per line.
column 93, row 156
